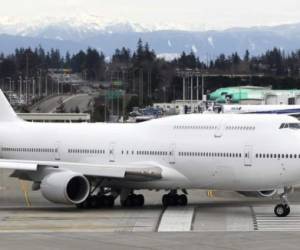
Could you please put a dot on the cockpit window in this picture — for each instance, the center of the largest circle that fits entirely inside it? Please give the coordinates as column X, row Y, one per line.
column 290, row 125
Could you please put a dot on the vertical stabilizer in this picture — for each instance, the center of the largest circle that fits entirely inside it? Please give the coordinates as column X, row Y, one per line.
column 7, row 114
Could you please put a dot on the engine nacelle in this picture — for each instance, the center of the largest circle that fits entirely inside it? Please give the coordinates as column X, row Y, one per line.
column 259, row 194
column 65, row 187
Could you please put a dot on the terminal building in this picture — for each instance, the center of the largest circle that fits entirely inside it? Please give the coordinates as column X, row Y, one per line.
column 255, row 95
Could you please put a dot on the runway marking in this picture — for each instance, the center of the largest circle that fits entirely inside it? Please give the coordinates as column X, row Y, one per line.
column 201, row 218
column 177, row 219
column 223, row 218
column 267, row 221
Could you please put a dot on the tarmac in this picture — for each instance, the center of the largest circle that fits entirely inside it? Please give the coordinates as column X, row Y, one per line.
column 212, row 220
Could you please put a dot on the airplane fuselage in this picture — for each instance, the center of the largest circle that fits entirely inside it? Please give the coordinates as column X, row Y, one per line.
column 232, row 152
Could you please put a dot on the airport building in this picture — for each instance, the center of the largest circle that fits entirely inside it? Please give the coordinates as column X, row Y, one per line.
column 255, row 95
column 179, row 106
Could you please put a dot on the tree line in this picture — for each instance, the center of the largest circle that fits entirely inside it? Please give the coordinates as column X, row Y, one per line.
column 281, row 69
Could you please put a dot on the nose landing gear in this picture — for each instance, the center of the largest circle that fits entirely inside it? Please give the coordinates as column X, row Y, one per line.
column 283, row 209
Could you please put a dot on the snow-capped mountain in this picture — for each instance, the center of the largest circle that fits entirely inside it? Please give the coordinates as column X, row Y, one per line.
column 68, row 28
column 75, row 33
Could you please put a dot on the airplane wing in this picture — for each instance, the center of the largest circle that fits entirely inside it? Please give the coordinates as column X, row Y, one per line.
column 142, row 172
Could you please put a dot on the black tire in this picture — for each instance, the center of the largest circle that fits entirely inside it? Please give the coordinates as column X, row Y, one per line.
column 94, row 202
column 105, row 201
column 288, row 210
column 123, row 203
column 165, row 200
column 141, row 200
column 173, row 200
column 135, row 201
column 182, row 200
column 128, row 202
column 281, row 210
column 85, row 205
column 109, row 201
column 80, row 205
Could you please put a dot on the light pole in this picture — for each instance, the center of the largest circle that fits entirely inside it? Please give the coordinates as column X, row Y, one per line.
column 9, row 92
column 46, row 84
column 20, row 87
column 202, row 87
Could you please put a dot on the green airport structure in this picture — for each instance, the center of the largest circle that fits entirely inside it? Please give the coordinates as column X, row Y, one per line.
column 255, row 95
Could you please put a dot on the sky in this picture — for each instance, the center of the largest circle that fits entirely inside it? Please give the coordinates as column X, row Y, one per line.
column 192, row 14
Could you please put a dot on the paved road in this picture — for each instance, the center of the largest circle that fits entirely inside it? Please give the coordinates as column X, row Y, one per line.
column 49, row 104
column 81, row 101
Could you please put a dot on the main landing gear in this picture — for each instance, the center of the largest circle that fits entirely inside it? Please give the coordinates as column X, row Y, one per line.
column 129, row 199
column 98, row 201
column 173, row 199
column 283, row 209
column 99, row 197
column 133, row 200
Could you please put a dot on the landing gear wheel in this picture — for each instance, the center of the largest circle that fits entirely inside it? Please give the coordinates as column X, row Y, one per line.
column 169, row 200
column 133, row 200
column 182, row 200
column 165, row 200
column 174, row 200
column 140, row 200
column 288, row 210
column 127, row 202
column 85, row 205
column 282, row 210
column 107, row 201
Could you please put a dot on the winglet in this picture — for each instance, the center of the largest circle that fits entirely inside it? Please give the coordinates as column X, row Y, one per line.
column 7, row 114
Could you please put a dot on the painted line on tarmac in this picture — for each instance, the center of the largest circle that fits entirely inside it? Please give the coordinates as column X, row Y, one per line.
column 177, row 219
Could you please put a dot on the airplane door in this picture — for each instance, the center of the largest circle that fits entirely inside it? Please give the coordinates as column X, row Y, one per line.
column 248, row 156
column 219, row 131
column 112, row 153
column 57, row 151
column 172, row 153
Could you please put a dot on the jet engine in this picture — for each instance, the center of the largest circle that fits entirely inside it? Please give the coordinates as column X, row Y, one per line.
column 65, row 187
column 259, row 194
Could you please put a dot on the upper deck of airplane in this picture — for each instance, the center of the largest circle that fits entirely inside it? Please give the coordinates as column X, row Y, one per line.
column 190, row 121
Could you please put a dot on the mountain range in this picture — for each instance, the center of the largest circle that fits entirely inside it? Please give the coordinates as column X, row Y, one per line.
column 167, row 40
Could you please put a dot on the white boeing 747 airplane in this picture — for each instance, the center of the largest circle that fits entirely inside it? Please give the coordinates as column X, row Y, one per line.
column 90, row 165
